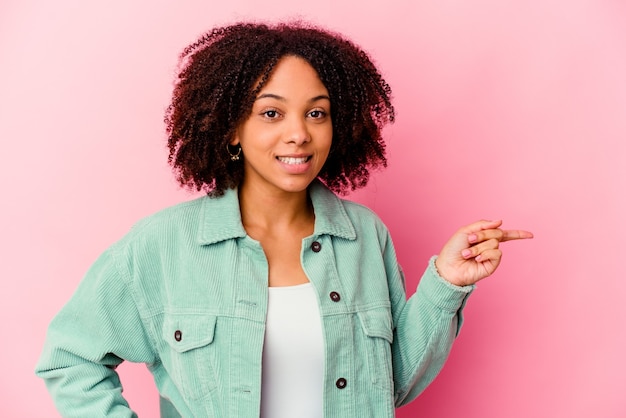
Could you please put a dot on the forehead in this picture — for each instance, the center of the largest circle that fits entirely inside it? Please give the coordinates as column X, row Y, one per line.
column 291, row 74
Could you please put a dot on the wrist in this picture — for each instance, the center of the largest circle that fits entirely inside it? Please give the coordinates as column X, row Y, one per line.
column 444, row 274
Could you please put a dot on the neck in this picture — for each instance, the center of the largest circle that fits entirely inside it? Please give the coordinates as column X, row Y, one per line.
column 267, row 210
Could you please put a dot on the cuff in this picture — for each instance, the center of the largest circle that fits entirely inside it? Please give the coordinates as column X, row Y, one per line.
column 441, row 292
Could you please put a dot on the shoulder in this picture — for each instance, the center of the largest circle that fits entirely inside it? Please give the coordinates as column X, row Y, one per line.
column 172, row 216
column 358, row 210
column 363, row 217
column 171, row 226
column 202, row 221
column 342, row 217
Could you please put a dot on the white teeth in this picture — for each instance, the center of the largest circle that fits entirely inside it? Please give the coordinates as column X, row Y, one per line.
column 292, row 160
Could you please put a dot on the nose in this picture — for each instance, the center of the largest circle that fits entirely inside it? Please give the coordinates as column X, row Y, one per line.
column 297, row 131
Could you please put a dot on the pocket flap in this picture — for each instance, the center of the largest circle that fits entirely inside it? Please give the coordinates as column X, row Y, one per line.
column 184, row 332
column 377, row 323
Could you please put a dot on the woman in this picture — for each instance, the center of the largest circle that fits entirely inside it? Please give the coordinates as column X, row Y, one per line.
column 270, row 296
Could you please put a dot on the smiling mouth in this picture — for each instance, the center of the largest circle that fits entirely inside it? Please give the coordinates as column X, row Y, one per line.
column 293, row 160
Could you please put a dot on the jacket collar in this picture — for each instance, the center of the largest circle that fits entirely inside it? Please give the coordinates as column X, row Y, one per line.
column 220, row 217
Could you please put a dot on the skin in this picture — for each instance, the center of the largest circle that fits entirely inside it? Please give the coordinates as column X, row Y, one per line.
column 290, row 119
column 473, row 252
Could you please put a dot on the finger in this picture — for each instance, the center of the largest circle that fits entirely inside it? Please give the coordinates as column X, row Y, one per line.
column 481, row 225
column 480, row 248
column 492, row 255
column 510, row 235
column 485, row 235
column 491, row 224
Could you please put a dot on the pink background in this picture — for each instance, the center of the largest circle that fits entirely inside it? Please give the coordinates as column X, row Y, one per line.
column 506, row 109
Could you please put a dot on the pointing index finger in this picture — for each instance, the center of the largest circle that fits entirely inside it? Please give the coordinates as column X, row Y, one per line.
column 513, row 234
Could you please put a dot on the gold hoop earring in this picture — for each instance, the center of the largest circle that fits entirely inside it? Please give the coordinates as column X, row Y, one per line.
column 233, row 157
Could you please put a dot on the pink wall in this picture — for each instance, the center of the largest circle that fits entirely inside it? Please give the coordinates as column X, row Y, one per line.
column 506, row 109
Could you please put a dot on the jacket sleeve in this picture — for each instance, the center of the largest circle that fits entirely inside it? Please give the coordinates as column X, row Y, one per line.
column 94, row 332
column 425, row 327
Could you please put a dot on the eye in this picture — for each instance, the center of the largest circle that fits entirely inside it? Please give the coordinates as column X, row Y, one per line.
column 317, row 114
column 270, row 113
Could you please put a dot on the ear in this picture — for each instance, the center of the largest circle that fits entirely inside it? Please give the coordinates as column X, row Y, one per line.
column 235, row 139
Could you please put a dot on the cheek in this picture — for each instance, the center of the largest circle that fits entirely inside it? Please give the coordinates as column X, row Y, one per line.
column 251, row 138
column 329, row 141
column 325, row 135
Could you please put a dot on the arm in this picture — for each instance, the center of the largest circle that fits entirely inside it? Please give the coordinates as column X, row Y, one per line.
column 98, row 328
column 425, row 328
column 428, row 322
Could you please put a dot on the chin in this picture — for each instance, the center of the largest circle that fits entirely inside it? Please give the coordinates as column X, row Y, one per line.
column 296, row 187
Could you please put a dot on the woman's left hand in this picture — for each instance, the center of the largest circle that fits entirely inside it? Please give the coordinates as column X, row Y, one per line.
column 473, row 252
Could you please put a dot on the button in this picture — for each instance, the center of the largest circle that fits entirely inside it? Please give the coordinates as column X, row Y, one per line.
column 316, row 247
column 335, row 297
column 178, row 335
column 341, row 383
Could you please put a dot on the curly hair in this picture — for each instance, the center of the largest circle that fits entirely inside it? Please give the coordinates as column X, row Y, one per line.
column 223, row 71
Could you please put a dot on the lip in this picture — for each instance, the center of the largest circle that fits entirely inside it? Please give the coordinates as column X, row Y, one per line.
column 295, row 167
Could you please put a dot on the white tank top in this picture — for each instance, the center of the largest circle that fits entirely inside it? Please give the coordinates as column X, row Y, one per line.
column 293, row 354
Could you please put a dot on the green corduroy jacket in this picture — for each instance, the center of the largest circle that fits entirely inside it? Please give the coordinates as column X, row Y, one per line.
column 185, row 291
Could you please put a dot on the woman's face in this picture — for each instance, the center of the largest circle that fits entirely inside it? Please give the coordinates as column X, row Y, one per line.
column 287, row 137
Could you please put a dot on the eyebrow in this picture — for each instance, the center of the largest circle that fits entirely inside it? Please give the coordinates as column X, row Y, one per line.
column 282, row 99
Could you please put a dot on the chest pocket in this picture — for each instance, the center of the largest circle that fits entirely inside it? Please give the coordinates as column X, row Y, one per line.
column 378, row 329
column 190, row 353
